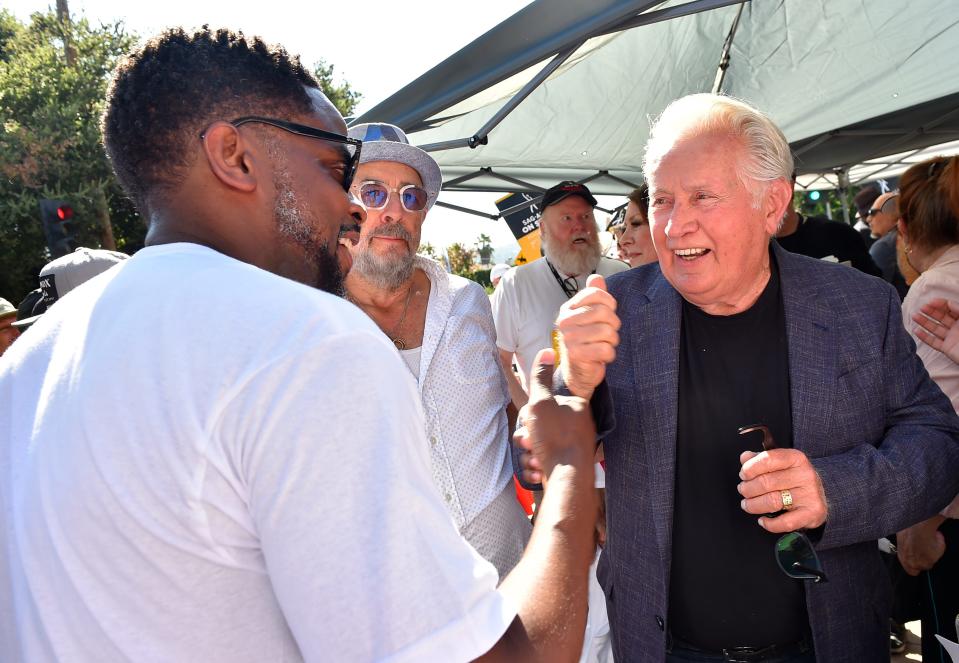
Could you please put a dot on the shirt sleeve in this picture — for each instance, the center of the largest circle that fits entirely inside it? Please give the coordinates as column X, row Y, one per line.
column 504, row 305
column 363, row 556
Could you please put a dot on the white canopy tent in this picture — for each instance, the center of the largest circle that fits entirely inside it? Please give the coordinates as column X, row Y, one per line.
column 564, row 89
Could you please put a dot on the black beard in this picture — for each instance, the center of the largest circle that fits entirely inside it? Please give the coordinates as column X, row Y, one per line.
column 329, row 276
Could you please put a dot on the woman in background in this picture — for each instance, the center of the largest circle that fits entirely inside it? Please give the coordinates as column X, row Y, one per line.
column 633, row 239
column 929, row 228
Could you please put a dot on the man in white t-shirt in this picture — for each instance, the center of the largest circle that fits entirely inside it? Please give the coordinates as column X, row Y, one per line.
column 527, row 301
column 525, row 306
column 207, row 458
column 442, row 326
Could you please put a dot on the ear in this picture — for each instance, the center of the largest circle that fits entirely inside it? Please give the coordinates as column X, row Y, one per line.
column 901, row 227
column 779, row 196
column 229, row 156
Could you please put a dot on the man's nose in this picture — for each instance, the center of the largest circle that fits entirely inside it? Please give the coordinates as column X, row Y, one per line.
column 682, row 220
column 581, row 224
column 357, row 209
column 393, row 209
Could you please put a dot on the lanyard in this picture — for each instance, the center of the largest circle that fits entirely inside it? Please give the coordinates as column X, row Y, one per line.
column 569, row 285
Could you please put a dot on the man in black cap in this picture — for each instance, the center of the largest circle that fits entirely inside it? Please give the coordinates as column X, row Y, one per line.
column 524, row 307
column 528, row 298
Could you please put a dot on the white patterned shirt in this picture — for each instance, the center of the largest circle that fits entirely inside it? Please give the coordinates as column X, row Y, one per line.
column 464, row 396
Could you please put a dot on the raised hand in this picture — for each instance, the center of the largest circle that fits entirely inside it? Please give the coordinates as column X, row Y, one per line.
column 937, row 327
column 556, row 429
column 589, row 334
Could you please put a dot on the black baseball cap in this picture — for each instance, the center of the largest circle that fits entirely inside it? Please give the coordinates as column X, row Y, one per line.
column 563, row 190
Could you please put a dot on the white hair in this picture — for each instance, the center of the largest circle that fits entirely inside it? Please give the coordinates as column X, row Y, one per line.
column 768, row 157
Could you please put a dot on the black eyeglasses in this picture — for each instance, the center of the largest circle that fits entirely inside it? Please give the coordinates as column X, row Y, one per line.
column 794, row 551
column 875, row 210
column 351, row 150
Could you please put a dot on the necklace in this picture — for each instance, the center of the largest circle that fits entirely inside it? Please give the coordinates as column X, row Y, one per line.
column 397, row 341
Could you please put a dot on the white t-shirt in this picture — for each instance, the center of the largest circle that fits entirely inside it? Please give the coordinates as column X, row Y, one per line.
column 525, row 306
column 207, row 462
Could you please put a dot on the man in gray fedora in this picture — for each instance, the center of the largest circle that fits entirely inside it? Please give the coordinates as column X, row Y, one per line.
column 442, row 326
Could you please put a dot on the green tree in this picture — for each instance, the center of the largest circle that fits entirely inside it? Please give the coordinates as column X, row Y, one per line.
column 461, row 259
column 343, row 96
column 484, row 247
column 50, row 140
column 429, row 251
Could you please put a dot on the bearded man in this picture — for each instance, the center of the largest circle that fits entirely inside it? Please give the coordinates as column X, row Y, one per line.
column 528, row 298
column 442, row 327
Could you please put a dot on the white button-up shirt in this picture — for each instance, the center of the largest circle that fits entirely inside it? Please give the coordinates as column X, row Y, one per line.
column 464, row 397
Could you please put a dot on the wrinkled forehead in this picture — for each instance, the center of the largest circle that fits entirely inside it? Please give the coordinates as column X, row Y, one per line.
column 389, row 172
column 576, row 205
column 710, row 155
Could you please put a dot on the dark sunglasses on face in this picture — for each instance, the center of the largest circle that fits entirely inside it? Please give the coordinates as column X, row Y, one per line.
column 794, row 552
column 351, row 146
column 873, row 211
column 376, row 195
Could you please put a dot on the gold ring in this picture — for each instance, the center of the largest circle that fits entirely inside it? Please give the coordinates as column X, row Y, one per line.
column 787, row 499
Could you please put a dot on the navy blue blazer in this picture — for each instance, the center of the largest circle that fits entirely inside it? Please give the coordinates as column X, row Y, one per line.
column 880, row 433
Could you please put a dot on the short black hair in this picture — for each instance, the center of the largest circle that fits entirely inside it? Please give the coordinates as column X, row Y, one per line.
column 865, row 198
column 164, row 94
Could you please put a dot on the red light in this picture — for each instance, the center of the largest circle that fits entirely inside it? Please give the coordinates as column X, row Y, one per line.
column 64, row 212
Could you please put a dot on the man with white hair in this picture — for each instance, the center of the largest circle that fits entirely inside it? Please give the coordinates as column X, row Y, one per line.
column 528, row 298
column 725, row 337
column 442, row 327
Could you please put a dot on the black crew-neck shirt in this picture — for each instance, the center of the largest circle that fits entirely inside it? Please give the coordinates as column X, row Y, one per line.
column 726, row 589
column 819, row 237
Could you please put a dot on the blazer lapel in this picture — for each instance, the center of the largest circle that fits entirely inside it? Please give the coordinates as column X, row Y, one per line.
column 813, row 355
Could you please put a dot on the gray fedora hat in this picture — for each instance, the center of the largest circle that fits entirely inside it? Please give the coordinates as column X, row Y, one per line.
column 387, row 142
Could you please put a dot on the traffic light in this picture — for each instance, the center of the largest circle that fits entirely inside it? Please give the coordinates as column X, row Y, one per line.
column 59, row 226
column 814, row 196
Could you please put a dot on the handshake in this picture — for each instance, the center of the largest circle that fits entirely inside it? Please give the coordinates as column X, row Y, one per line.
column 589, row 333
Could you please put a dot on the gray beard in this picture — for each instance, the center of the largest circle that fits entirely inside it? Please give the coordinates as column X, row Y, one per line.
column 574, row 262
column 385, row 272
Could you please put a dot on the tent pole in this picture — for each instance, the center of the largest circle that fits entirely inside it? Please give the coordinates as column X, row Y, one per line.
column 606, row 173
column 668, row 14
column 724, row 58
column 513, row 180
column 481, row 137
column 461, row 179
column 467, row 210
column 446, row 145
column 843, row 175
column 526, row 90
